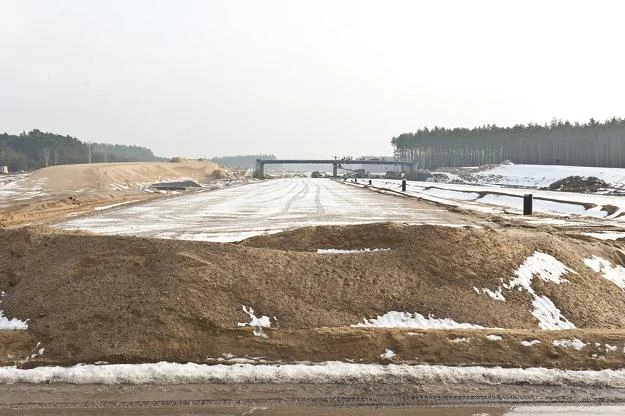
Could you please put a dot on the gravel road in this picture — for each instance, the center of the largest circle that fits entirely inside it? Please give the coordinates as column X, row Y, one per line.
column 307, row 399
column 235, row 213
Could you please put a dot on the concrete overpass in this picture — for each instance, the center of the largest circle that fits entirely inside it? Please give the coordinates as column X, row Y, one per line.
column 409, row 168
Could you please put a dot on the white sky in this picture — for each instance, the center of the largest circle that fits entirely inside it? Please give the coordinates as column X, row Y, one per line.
column 302, row 78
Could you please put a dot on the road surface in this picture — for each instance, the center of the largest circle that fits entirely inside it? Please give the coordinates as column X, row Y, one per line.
column 366, row 399
column 233, row 214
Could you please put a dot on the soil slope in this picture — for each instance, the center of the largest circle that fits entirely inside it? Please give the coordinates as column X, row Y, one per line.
column 120, row 299
column 57, row 191
column 107, row 176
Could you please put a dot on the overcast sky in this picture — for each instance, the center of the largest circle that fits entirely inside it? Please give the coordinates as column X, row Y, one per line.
column 302, row 78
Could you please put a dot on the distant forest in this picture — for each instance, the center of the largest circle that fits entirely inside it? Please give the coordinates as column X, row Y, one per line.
column 557, row 143
column 36, row 149
column 241, row 162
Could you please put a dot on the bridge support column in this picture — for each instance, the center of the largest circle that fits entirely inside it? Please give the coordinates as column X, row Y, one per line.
column 259, row 170
column 334, row 170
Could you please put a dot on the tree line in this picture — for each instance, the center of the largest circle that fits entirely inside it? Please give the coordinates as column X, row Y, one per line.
column 36, row 149
column 559, row 142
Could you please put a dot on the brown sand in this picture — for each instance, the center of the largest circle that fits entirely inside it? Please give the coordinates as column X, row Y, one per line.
column 125, row 299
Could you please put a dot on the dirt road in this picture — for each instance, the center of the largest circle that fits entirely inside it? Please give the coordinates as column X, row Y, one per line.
column 305, row 399
column 239, row 212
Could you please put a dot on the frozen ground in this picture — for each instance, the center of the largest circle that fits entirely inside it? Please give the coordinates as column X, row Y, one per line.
column 496, row 199
column 269, row 206
column 541, row 176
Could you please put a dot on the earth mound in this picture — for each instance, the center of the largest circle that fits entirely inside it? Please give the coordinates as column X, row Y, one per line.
column 125, row 299
column 115, row 176
column 582, row 184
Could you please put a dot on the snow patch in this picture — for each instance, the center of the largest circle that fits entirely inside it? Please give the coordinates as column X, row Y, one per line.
column 530, row 343
column 458, row 340
column 548, row 269
column 497, row 295
column 395, row 319
column 606, row 235
column 494, row 337
column 615, row 275
column 14, row 324
column 327, row 372
column 349, row 251
column 574, row 343
column 257, row 323
column 387, row 354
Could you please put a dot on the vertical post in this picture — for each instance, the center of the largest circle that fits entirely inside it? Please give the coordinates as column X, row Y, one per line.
column 334, row 170
column 403, row 185
column 259, row 171
column 527, row 204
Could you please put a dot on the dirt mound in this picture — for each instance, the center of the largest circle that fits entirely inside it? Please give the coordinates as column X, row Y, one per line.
column 579, row 184
column 61, row 190
column 107, row 298
column 113, row 176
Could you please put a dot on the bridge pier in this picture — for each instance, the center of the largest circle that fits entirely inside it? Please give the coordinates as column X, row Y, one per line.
column 335, row 167
column 259, row 170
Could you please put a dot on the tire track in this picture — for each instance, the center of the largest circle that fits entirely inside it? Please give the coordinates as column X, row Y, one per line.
column 297, row 196
column 320, row 209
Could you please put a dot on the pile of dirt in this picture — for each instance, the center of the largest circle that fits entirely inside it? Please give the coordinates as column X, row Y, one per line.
column 121, row 299
column 582, row 184
column 59, row 191
column 113, row 176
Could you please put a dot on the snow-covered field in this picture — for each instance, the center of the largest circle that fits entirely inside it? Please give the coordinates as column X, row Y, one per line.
column 497, row 199
column 540, row 176
column 497, row 188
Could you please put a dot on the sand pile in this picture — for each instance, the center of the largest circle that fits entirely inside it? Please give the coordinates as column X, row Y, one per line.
column 111, row 176
column 91, row 298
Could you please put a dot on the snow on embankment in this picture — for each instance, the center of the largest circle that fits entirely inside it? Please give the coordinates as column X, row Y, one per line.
column 7, row 324
column 328, row 372
column 545, row 267
column 541, row 176
column 487, row 198
column 395, row 319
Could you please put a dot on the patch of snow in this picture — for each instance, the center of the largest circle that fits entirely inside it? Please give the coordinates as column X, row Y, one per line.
column 548, row 269
column 530, row 343
column 257, row 323
column 458, row 340
column 574, row 343
column 349, row 251
column 497, row 295
column 494, row 337
column 395, row 319
column 609, row 347
column 327, row 372
column 615, row 275
column 387, row 354
column 606, row 235
column 14, row 324
column 548, row 315
column 535, row 176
